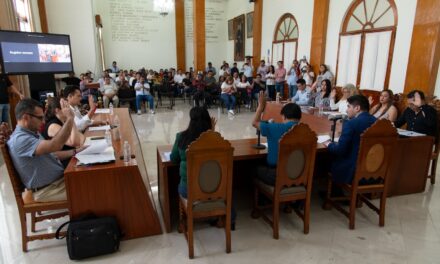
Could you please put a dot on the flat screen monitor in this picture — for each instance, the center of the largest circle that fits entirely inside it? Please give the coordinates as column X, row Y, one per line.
column 30, row 53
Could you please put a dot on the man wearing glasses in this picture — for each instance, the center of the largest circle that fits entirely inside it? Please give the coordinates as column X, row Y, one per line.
column 36, row 160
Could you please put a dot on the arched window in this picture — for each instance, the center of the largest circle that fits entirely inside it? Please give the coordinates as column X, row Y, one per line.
column 366, row 44
column 285, row 39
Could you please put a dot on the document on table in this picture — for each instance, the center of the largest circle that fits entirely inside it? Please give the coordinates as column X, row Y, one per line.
column 102, row 111
column 97, row 152
column 99, row 128
column 323, row 138
column 167, row 155
column 407, row 133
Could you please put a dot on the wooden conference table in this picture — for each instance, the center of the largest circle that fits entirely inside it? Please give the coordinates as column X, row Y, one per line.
column 408, row 172
column 115, row 189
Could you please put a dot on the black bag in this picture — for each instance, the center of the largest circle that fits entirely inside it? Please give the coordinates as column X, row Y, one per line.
column 91, row 236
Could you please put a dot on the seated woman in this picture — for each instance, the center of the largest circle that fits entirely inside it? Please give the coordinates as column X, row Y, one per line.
column 244, row 88
column 200, row 121
column 322, row 98
column 54, row 120
column 341, row 106
column 227, row 95
column 385, row 108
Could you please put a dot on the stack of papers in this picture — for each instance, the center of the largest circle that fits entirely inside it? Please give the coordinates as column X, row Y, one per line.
column 97, row 152
column 102, row 111
column 99, row 128
column 407, row 133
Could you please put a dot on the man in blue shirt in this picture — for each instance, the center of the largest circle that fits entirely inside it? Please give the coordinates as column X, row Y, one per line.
column 302, row 96
column 36, row 160
column 273, row 131
column 345, row 152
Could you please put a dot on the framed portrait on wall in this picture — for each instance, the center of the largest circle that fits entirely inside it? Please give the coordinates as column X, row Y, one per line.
column 250, row 24
column 239, row 39
column 231, row 29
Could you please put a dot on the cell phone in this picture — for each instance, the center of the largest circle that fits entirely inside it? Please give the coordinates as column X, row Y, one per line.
column 96, row 138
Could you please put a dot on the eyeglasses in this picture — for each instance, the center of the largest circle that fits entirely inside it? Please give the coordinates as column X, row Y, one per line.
column 38, row 117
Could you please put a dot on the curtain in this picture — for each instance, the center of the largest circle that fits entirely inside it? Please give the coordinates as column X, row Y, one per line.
column 277, row 53
column 348, row 60
column 375, row 60
column 289, row 53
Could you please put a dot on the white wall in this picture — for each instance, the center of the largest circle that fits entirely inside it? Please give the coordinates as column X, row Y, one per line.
column 235, row 8
column 406, row 10
column 157, row 48
column 75, row 19
column 303, row 13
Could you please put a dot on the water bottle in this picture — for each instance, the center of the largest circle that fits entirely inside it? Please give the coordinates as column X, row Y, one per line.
column 116, row 123
column 110, row 107
column 127, row 152
column 278, row 97
column 321, row 109
column 108, row 137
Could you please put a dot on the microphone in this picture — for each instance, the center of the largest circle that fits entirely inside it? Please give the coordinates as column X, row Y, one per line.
column 335, row 119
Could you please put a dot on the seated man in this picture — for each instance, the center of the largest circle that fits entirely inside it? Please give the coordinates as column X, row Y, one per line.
column 418, row 116
column 211, row 86
column 125, row 91
column 109, row 92
column 302, row 96
column 291, row 114
column 73, row 96
column 36, row 160
column 345, row 152
column 200, row 94
column 143, row 93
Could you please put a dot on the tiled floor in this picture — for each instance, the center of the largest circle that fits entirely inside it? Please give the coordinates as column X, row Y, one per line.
column 411, row 233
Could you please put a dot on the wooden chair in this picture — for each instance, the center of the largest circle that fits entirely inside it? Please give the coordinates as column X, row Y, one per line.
column 35, row 209
column 296, row 162
column 434, row 158
column 373, row 93
column 373, row 164
column 209, row 170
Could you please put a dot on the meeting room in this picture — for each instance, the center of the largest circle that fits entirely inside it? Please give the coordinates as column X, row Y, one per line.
column 219, row 131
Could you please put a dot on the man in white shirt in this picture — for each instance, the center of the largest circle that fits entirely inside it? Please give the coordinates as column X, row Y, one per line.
column 109, row 92
column 143, row 93
column 72, row 94
column 114, row 67
column 248, row 70
column 178, row 80
column 302, row 96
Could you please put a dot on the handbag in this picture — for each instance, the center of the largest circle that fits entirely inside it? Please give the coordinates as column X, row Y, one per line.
column 91, row 236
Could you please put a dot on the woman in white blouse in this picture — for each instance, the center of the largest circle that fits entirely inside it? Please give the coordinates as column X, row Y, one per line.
column 341, row 106
column 244, row 89
column 227, row 95
column 270, row 82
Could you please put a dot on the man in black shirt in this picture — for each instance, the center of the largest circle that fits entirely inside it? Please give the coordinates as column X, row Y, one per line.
column 418, row 116
column 72, row 79
column 6, row 88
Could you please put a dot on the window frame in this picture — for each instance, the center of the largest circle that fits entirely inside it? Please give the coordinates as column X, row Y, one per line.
column 343, row 32
column 277, row 27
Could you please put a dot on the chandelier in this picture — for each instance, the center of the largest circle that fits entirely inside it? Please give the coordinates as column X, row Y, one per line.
column 163, row 7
